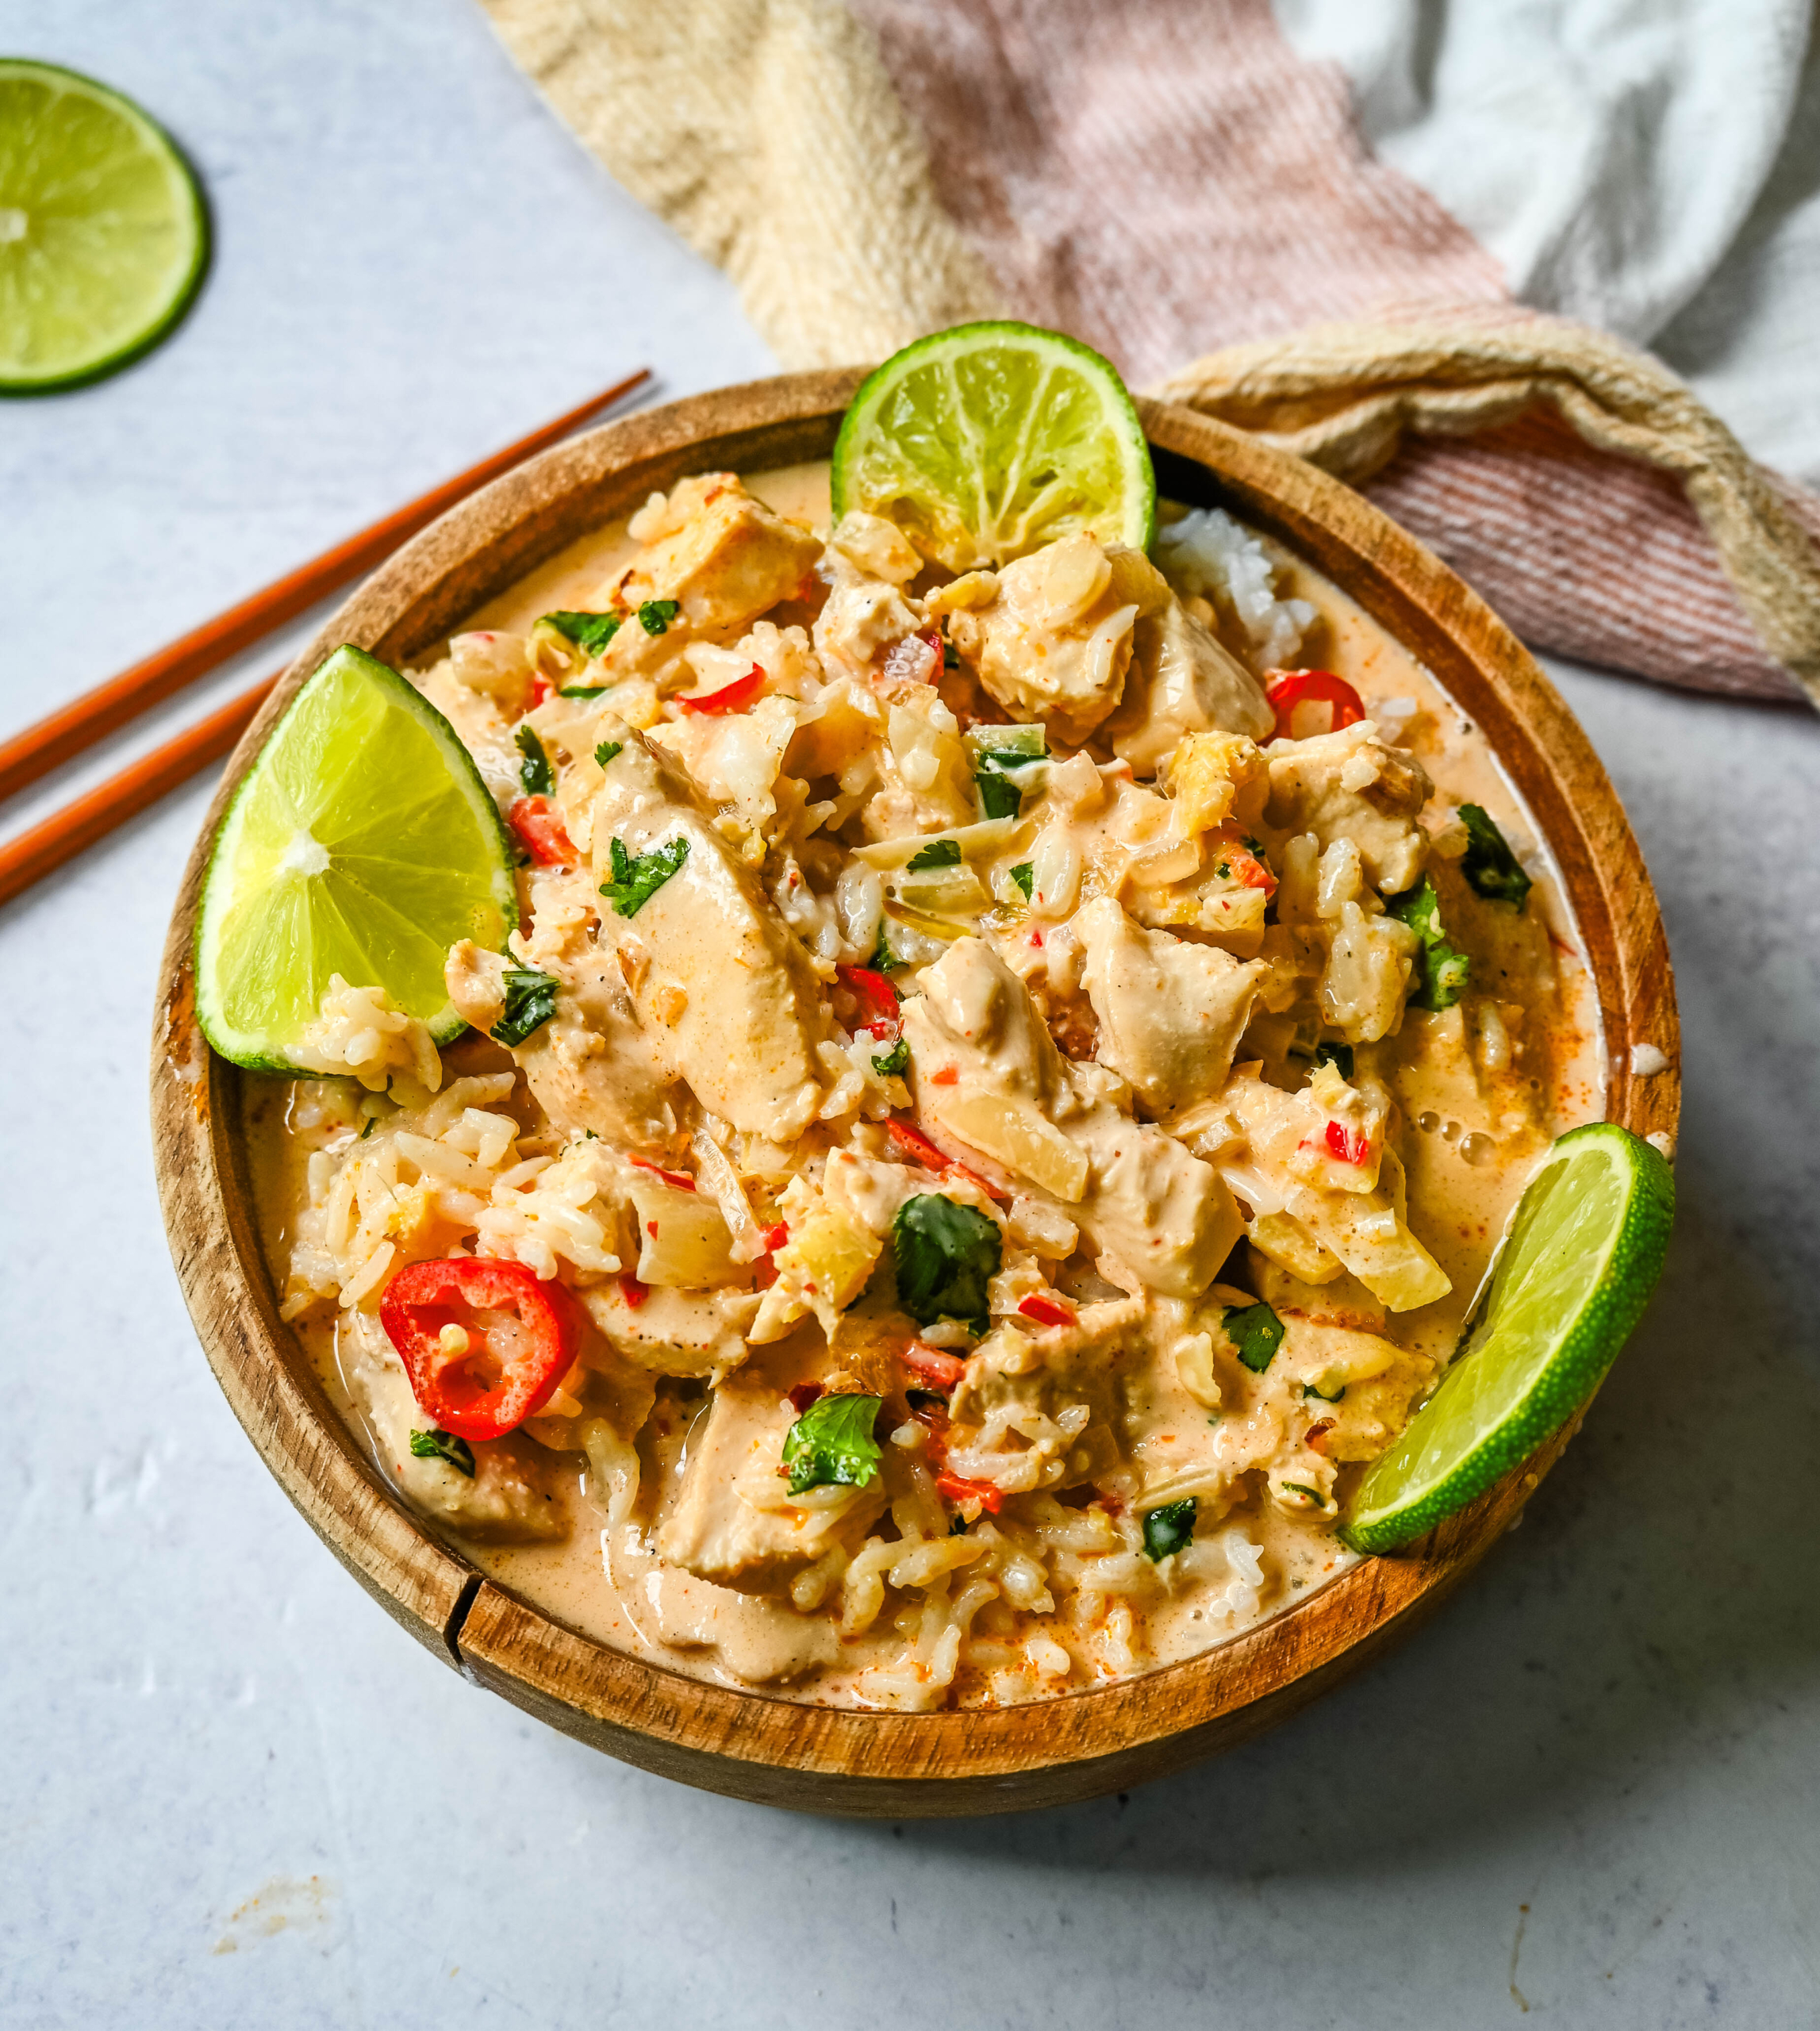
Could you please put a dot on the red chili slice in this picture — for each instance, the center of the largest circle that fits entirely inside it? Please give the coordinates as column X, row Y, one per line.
column 934, row 1365
column 915, row 1144
column 877, row 998
column 541, row 688
column 683, row 1181
column 632, row 1290
column 804, row 1394
column 523, row 1335
column 1251, row 871
column 1047, row 1311
column 958, row 1489
column 776, row 1236
column 540, row 832
column 1351, row 1145
column 1287, row 688
column 731, row 697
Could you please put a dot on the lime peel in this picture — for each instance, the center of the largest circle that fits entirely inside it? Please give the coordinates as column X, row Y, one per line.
column 361, row 841
column 1583, row 1256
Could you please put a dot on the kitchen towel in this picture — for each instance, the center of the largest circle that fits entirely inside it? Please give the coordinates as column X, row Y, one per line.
column 1174, row 184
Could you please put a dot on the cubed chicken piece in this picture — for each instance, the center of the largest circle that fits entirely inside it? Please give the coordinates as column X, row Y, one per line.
column 590, row 1067
column 733, row 1521
column 723, row 556
column 1170, row 1013
column 1214, row 780
column 987, row 1071
column 867, row 565
column 1182, row 679
column 697, row 1334
column 1350, row 785
column 715, row 977
column 1055, row 641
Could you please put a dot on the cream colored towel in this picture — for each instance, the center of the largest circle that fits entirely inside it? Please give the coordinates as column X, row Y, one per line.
column 867, row 176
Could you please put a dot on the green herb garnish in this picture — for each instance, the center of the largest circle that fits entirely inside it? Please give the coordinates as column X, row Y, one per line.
column 1025, row 875
column 946, row 1255
column 999, row 798
column 1339, row 1056
column 1440, row 972
column 938, row 853
column 655, row 616
column 997, row 751
column 534, row 772
column 444, row 1445
column 1256, row 1333
column 1491, row 868
column 607, row 750
column 895, row 1062
column 1308, row 1389
column 1168, row 1529
column 884, row 960
column 638, row 876
column 584, row 690
column 588, row 631
column 530, row 1002
column 831, row 1445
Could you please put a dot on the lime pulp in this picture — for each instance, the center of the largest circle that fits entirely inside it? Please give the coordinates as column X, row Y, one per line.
column 987, row 441
column 103, row 232
column 361, row 842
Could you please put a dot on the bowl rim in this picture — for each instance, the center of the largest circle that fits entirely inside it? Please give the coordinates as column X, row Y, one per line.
column 751, row 1743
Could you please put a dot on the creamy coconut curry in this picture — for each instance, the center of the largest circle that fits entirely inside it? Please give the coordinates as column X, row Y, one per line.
column 1003, row 1095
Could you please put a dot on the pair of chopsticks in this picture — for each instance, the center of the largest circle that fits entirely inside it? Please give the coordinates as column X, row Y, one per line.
column 97, row 713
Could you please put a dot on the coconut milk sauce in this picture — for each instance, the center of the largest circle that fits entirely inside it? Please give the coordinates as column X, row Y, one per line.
column 603, row 1583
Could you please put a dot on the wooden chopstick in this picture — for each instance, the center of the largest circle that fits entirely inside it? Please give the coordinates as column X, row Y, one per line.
column 76, row 827
column 97, row 713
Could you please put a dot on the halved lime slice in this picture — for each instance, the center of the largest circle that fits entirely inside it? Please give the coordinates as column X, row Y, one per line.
column 103, row 235
column 1581, row 1259
column 362, row 843
column 985, row 441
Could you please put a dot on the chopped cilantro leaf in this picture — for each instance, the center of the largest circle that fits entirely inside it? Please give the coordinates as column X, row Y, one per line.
column 589, row 632
column 1256, row 1333
column 999, row 798
column 655, row 616
column 445, row 1446
column 895, row 1062
column 1168, row 1529
column 831, row 1445
column 607, row 750
column 1490, row 868
column 946, row 1255
column 1339, row 1056
column 1440, row 970
column 884, row 960
column 583, row 691
column 530, row 1002
column 938, row 853
column 638, row 877
column 1025, row 875
column 534, row 772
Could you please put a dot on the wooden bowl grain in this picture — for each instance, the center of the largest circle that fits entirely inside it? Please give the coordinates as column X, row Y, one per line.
column 751, row 1744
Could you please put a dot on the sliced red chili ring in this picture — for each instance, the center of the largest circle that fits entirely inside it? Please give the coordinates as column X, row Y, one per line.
column 681, row 1180
column 730, row 697
column 1047, row 1311
column 540, row 832
column 877, row 998
column 515, row 1338
column 1287, row 688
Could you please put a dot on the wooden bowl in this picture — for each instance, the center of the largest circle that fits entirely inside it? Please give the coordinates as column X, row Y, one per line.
column 751, row 1744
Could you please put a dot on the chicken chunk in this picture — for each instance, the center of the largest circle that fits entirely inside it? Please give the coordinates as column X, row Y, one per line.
column 1055, row 639
column 1182, row 681
column 987, row 1071
column 726, row 993
column 722, row 555
column 1350, row 785
column 1170, row 1013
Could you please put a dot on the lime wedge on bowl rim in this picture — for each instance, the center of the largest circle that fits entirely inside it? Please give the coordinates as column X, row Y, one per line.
column 1578, row 1264
column 361, row 842
column 103, row 232
column 985, row 441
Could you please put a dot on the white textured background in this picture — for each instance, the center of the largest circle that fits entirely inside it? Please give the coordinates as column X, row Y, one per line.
column 1617, row 1728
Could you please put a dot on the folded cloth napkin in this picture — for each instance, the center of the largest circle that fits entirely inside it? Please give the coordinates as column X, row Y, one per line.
column 1161, row 181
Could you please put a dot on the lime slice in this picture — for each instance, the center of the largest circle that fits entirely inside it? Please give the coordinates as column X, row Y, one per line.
column 984, row 443
column 1582, row 1257
column 362, row 841
column 103, row 236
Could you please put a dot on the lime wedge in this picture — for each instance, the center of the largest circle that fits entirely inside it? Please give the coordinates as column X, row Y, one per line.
column 362, row 841
column 985, row 441
column 103, row 236
column 1581, row 1258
